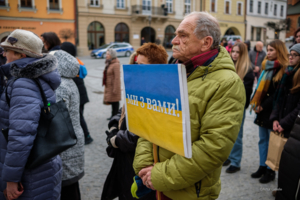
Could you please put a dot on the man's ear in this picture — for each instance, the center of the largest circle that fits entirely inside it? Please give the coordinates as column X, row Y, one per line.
column 206, row 43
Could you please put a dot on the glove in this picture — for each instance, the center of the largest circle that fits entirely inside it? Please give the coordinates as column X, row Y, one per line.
column 110, row 134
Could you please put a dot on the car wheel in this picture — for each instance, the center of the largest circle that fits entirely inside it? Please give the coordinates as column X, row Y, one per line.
column 128, row 53
column 104, row 55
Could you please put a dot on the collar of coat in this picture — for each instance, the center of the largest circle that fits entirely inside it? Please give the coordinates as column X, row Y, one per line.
column 222, row 61
column 33, row 67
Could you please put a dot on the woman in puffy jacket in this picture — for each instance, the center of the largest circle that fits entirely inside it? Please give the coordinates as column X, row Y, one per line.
column 72, row 158
column 20, row 114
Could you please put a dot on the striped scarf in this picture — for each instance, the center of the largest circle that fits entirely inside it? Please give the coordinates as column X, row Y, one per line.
column 264, row 81
column 278, row 93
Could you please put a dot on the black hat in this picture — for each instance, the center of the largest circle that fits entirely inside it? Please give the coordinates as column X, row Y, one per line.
column 69, row 47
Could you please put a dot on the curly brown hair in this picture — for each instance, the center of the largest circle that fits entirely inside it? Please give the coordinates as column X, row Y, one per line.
column 156, row 54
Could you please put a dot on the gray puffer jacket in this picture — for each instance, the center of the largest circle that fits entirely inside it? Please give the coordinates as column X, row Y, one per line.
column 73, row 158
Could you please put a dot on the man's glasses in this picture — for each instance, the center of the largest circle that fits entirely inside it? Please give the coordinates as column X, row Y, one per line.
column 293, row 55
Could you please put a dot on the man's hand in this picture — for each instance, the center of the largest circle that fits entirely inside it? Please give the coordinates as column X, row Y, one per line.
column 258, row 109
column 12, row 190
column 256, row 69
column 280, row 129
column 110, row 134
column 145, row 175
column 276, row 125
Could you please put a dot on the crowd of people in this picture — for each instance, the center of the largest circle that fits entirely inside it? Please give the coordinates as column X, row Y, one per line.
column 220, row 84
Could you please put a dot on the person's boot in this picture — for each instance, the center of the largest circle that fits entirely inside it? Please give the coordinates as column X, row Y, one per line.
column 227, row 162
column 261, row 171
column 268, row 176
column 88, row 139
column 232, row 169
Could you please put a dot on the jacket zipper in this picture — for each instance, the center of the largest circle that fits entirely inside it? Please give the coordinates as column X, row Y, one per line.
column 297, row 192
column 198, row 188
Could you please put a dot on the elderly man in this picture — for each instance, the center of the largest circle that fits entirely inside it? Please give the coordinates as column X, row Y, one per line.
column 257, row 55
column 216, row 101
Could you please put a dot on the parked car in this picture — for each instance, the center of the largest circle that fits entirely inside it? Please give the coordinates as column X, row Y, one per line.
column 289, row 39
column 122, row 49
column 232, row 37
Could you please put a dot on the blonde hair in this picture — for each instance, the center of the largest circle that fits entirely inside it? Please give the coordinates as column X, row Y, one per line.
column 282, row 58
column 243, row 63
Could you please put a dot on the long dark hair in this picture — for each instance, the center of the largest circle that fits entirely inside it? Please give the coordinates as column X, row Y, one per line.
column 51, row 39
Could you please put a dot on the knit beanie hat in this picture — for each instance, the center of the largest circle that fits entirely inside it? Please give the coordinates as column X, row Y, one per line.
column 23, row 41
column 296, row 48
column 69, row 47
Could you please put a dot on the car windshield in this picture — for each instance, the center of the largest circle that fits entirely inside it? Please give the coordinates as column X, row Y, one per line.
column 104, row 46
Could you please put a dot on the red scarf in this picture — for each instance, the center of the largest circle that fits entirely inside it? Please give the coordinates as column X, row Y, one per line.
column 199, row 60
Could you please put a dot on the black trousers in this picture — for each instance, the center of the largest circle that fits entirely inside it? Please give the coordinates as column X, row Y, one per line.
column 115, row 108
column 82, row 122
column 70, row 192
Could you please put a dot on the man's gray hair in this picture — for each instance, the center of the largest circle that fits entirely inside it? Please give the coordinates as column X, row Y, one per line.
column 207, row 25
column 112, row 53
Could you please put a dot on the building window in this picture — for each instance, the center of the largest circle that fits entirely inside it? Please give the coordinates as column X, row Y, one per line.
column 281, row 11
column 275, row 9
column 252, row 33
column 258, row 34
column 2, row 3
column 94, row 2
column 227, row 7
column 213, row 6
column 187, row 6
column 266, row 8
column 26, row 3
column 251, row 6
column 95, row 35
column 54, row 4
column 239, row 8
column 121, row 33
column 169, row 36
column 259, row 7
column 169, row 6
column 120, row 4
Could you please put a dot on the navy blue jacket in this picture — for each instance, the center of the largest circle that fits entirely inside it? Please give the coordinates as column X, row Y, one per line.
column 22, row 119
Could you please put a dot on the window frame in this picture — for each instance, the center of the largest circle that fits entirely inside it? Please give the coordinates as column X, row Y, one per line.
column 169, row 4
column 215, row 7
column 120, row 2
column 229, row 9
column 266, row 8
column 251, row 6
column 281, row 10
column 259, row 7
column 93, row 5
column 237, row 8
column 58, row 2
column 187, row 5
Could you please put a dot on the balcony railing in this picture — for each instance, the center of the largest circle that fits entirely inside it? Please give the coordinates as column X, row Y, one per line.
column 149, row 10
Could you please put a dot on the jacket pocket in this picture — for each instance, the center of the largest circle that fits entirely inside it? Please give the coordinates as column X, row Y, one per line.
column 198, row 188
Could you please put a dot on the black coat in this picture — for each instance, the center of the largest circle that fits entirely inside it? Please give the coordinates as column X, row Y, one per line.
column 248, row 83
column 263, row 118
column 82, row 90
column 289, row 108
column 120, row 178
column 289, row 167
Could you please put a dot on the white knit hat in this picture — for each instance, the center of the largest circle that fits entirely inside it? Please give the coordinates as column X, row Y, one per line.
column 23, row 41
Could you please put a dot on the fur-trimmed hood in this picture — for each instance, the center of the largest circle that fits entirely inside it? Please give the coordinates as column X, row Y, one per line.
column 44, row 68
column 68, row 66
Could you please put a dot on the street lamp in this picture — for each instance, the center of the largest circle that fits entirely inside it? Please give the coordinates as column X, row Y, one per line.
column 149, row 19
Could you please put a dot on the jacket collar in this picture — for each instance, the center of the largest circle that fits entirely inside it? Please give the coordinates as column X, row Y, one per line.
column 33, row 67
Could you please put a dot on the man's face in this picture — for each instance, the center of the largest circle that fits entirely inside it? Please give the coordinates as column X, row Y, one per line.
column 294, row 58
column 259, row 46
column 11, row 56
column 186, row 45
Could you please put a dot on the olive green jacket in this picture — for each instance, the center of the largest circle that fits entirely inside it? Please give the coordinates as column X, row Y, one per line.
column 216, row 100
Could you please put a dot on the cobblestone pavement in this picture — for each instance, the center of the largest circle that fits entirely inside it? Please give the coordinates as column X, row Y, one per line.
column 234, row 186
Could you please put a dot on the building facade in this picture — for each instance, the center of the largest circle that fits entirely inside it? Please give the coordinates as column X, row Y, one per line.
column 293, row 14
column 38, row 16
column 101, row 22
column 259, row 13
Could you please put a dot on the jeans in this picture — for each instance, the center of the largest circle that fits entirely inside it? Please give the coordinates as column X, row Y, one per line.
column 82, row 122
column 263, row 145
column 235, row 156
column 114, row 108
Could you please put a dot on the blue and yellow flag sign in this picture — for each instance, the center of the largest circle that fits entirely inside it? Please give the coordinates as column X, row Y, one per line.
column 157, row 106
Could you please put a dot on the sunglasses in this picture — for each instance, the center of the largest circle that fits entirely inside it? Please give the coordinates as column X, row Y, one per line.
column 12, row 40
column 293, row 55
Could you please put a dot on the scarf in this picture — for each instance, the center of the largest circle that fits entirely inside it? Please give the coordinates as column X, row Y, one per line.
column 199, row 60
column 290, row 71
column 263, row 84
column 107, row 64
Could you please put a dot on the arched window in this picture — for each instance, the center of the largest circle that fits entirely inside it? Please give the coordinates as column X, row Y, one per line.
column 95, row 35
column 169, row 35
column 121, row 33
